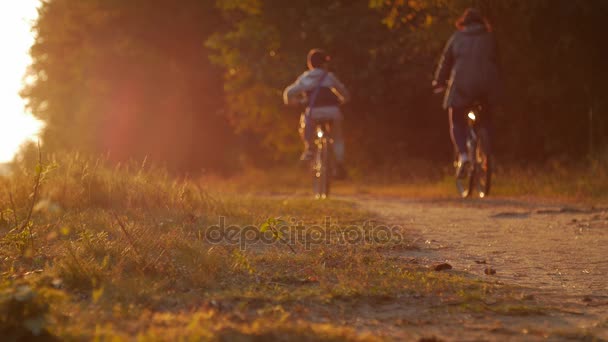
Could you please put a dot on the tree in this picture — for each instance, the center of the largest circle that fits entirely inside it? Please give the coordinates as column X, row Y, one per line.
column 131, row 79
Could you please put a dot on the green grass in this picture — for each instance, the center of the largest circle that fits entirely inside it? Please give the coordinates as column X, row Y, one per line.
column 89, row 250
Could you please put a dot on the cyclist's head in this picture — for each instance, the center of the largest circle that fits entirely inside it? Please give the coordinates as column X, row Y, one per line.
column 472, row 16
column 317, row 58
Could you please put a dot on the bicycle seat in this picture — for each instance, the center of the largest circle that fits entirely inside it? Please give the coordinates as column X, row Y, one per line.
column 324, row 122
column 476, row 106
column 325, row 125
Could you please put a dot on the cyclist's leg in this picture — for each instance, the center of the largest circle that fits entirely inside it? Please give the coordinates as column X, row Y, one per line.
column 336, row 132
column 458, row 129
column 486, row 123
column 306, row 130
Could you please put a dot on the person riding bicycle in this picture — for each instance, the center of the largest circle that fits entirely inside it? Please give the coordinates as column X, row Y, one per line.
column 468, row 68
column 329, row 94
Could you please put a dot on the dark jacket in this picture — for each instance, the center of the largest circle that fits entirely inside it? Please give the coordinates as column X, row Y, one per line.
column 468, row 67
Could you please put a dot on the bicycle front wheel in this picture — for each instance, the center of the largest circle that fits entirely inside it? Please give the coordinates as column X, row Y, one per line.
column 483, row 166
column 465, row 182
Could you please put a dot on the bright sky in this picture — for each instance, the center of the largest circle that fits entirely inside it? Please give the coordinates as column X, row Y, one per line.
column 16, row 126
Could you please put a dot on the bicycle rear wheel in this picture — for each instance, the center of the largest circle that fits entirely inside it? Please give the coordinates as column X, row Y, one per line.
column 321, row 170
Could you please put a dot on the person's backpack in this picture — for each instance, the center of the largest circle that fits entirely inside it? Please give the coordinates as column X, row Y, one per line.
column 313, row 96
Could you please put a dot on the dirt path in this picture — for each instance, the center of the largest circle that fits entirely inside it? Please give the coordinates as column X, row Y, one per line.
column 557, row 254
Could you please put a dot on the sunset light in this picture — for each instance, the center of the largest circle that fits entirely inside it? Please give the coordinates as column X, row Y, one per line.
column 16, row 126
column 273, row 170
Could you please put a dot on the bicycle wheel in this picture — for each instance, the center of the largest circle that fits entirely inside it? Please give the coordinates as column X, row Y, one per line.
column 327, row 167
column 483, row 166
column 320, row 171
column 465, row 184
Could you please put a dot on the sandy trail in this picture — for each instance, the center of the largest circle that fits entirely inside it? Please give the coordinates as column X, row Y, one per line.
column 556, row 253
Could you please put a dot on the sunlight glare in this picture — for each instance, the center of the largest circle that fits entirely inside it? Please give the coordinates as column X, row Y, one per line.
column 16, row 126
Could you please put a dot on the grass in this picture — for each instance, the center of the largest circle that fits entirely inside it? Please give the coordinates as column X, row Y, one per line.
column 554, row 181
column 90, row 250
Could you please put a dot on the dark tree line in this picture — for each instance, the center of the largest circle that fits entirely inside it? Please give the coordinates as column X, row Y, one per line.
column 131, row 79
column 197, row 84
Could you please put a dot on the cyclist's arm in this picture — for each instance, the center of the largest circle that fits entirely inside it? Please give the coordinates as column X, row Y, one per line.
column 292, row 93
column 339, row 89
column 444, row 68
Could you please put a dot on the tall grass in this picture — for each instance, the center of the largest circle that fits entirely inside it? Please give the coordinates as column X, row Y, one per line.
column 118, row 251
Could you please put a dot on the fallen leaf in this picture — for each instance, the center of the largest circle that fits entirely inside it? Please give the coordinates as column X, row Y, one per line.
column 442, row 266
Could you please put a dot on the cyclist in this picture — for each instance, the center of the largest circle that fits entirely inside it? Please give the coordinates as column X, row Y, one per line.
column 468, row 69
column 331, row 93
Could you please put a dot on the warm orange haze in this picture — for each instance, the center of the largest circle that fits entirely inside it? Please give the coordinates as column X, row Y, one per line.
column 16, row 37
column 299, row 170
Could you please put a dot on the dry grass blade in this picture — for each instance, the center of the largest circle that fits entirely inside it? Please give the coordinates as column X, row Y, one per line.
column 130, row 239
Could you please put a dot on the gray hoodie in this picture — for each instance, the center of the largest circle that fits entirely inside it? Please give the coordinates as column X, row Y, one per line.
column 469, row 68
column 307, row 82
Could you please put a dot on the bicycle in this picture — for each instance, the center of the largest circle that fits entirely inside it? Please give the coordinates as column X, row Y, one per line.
column 479, row 173
column 323, row 162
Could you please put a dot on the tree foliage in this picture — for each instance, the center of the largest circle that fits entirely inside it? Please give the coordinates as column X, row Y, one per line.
column 149, row 77
column 130, row 78
column 551, row 61
column 388, row 73
column 549, row 58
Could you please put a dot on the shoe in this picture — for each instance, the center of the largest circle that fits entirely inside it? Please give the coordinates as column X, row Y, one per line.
column 306, row 155
column 463, row 169
column 340, row 172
